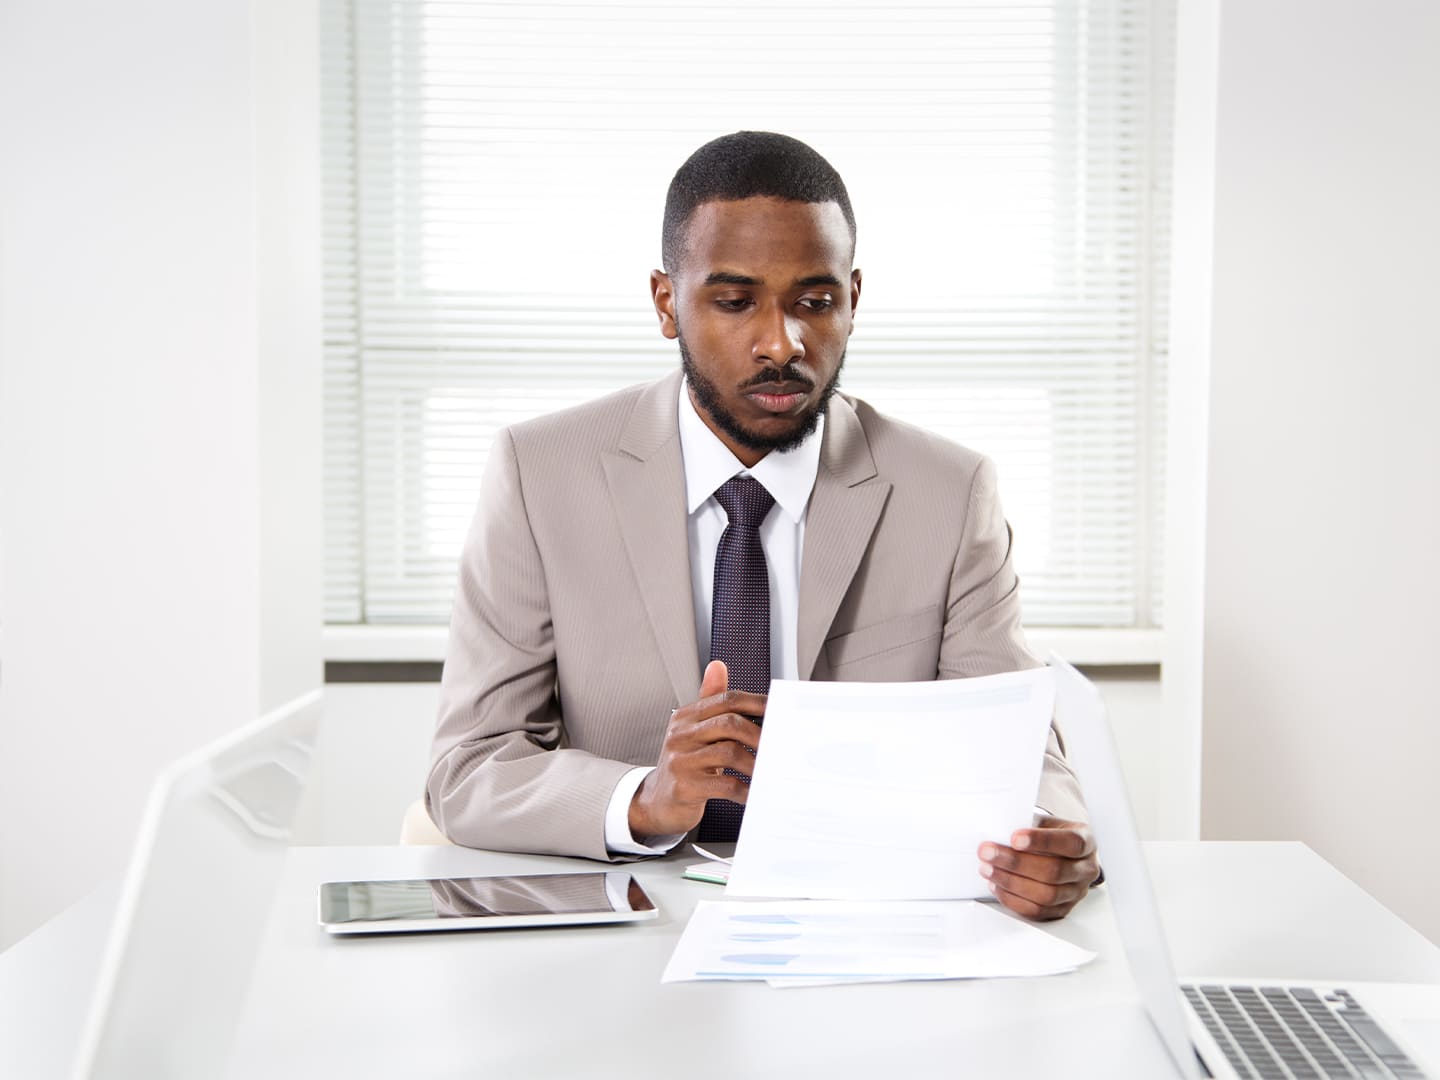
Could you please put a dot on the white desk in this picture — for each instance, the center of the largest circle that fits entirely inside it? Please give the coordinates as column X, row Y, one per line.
column 588, row 1001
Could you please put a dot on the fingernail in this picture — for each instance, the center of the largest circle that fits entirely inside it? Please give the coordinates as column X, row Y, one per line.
column 987, row 851
column 986, row 870
column 991, row 886
column 1021, row 842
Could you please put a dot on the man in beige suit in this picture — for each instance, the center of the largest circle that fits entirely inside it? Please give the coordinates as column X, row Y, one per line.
column 578, row 715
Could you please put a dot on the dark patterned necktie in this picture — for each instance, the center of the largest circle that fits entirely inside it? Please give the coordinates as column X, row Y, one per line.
column 739, row 619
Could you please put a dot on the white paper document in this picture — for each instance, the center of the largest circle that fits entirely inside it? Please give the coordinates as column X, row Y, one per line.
column 807, row 943
column 878, row 791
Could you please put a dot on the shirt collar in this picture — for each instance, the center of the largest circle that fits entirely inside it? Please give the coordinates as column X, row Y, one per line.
column 789, row 477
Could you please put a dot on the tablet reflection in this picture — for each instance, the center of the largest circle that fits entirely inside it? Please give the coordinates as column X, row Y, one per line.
column 528, row 895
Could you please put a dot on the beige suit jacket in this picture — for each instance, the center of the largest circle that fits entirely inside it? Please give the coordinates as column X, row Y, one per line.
column 573, row 635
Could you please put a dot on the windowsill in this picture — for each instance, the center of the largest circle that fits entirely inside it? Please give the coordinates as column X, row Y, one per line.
column 401, row 644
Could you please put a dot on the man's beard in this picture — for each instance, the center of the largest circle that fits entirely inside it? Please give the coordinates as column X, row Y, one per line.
column 707, row 396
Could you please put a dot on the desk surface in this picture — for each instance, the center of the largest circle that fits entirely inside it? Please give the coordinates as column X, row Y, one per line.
column 588, row 1001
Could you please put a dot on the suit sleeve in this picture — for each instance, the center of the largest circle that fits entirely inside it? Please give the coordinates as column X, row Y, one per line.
column 500, row 776
column 982, row 634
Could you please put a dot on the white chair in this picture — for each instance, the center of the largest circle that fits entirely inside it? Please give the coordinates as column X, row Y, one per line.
column 417, row 828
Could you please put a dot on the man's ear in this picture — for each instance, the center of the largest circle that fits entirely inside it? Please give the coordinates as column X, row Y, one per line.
column 662, row 295
column 854, row 298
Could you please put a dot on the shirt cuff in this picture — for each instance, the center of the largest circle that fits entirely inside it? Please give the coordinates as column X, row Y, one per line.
column 618, row 840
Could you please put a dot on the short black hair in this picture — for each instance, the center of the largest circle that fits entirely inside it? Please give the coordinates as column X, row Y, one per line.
column 741, row 166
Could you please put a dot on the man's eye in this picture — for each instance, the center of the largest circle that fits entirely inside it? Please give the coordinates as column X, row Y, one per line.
column 734, row 305
column 817, row 303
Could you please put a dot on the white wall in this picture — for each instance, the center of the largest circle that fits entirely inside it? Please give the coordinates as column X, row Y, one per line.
column 1144, row 743
column 1176, row 760
column 285, row 83
column 139, row 203
column 1322, row 562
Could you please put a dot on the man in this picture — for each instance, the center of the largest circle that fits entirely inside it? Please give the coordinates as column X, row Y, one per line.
column 744, row 515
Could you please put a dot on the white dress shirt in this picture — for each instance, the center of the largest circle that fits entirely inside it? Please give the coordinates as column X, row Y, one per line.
column 789, row 477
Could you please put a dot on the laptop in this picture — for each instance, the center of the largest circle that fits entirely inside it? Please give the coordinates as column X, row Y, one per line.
column 1233, row 1027
column 196, row 897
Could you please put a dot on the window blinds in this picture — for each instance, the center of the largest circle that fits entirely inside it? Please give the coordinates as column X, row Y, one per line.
column 494, row 176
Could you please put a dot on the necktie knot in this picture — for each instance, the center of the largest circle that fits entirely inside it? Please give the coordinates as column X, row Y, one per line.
column 745, row 500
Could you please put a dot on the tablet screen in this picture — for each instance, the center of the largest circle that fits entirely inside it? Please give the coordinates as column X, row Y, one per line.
column 477, row 902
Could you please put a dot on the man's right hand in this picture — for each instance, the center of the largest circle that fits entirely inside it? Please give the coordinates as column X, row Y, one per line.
column 702, row 740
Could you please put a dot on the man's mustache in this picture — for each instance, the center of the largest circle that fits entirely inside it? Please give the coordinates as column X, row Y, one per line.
column 775, row 376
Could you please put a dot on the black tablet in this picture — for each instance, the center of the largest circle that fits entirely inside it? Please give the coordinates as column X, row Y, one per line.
column 483, row 903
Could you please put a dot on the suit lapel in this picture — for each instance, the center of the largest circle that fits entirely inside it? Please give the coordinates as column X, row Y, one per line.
column 844, row 509
column 646, row 476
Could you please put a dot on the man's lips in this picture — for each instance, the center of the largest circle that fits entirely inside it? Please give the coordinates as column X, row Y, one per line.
column 779, row 397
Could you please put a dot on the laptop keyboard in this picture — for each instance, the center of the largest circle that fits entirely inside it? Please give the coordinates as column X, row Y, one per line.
column 1296, row 1033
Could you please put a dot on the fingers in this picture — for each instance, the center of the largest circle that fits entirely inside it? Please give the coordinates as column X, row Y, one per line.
column 715, row 758
column 1036, row 901
column 688, row 733
column 1038, row 887
column 716, row 695
column 672, row 798
column 724, row 718
column 694, row 787
column 716, row 679
column 703, row 739
column 736, row 701
column 734, row 730
column 1067, row 839
column 1047, row 870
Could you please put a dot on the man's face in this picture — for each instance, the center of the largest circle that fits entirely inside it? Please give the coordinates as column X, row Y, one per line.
column 762, row 305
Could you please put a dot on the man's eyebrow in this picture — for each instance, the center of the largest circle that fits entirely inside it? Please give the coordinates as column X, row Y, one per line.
column 721, row 277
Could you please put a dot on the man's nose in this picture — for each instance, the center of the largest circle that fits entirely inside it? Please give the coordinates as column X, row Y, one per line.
column 778, row 340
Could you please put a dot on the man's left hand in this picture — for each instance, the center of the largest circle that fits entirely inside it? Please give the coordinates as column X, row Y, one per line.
column 1045, row 871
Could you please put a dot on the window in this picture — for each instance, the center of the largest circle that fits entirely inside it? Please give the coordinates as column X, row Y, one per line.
column 494, row 177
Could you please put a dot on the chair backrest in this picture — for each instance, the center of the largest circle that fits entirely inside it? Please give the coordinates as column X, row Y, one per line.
column 196, row 899
column 417, row 829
